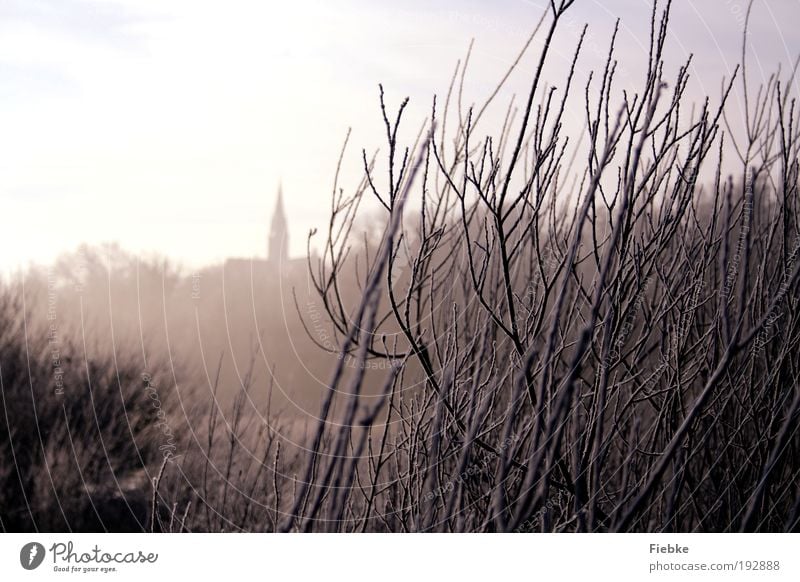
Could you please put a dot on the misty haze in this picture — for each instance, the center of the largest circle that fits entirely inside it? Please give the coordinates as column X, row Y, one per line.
column 444, row 267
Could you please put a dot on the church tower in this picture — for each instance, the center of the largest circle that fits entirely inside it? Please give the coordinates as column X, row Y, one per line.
column 278, row 251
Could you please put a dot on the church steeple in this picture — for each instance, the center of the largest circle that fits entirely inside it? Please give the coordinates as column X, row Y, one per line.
column 278, row 250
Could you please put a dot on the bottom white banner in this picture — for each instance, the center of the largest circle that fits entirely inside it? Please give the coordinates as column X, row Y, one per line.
column 385, row 557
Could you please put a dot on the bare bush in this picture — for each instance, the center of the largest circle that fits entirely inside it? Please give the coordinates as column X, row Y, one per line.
column 578, row 346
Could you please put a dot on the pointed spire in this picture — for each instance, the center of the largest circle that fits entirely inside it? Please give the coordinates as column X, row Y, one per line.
column 278, row 250
column 279, row 203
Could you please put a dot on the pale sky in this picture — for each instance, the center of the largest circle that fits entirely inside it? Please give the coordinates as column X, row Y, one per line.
column 166, row 125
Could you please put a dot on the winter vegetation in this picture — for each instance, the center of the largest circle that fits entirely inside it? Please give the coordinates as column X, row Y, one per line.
column 552, row 331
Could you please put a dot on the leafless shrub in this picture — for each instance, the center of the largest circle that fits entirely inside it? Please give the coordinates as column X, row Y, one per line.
column 600, row 339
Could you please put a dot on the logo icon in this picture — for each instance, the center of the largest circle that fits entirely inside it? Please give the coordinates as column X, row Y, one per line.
column 31, row 555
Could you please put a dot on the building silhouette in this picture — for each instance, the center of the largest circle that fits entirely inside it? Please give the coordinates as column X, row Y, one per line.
column 252, row 309
column 278, row 247
column 277, row 262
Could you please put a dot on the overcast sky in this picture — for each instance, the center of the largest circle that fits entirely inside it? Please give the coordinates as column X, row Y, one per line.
column 166, row 125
